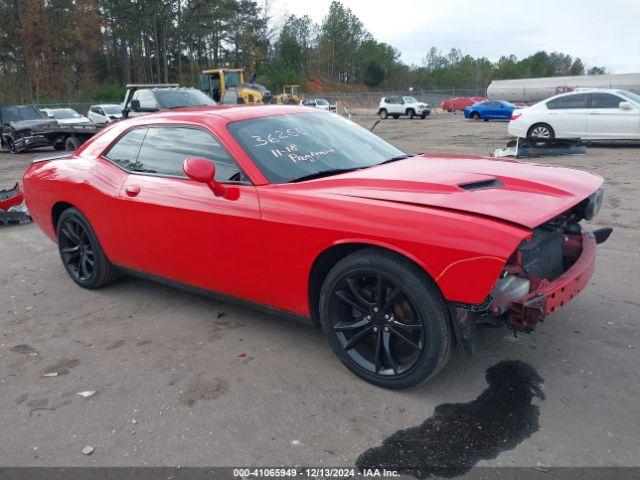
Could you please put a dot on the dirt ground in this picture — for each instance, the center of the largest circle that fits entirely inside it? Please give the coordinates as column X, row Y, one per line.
column 173, row 389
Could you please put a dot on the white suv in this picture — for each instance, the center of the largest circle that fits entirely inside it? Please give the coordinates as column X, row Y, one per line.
column 591, row 114
column 396, row 106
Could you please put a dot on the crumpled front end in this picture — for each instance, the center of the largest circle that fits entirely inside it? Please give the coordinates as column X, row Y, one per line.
column 546, row 272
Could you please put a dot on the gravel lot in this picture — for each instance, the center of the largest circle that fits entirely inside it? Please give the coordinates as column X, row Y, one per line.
column 172, row 388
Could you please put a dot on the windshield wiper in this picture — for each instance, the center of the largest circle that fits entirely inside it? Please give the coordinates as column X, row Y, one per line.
column 395, row 159
column 324, row 173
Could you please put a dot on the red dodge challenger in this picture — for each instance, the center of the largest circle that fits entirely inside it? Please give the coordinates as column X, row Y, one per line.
column 396, row 256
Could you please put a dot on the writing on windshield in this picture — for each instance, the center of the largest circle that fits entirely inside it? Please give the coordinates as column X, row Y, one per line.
column 291, row 146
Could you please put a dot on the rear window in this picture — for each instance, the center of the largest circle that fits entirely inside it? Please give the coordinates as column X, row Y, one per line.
column 578, row 100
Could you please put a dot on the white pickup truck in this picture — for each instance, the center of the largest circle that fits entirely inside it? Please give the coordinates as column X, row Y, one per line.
column 396, row 106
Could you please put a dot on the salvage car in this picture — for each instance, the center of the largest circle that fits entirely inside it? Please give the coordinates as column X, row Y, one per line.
column 319, row 103
column 66, row 116
column 142, row 99
column 303, row 213
column 20, row 125
column 105, row 113
column 456, row 104
column 399, row 106
column 490, row 110
column 590, row 114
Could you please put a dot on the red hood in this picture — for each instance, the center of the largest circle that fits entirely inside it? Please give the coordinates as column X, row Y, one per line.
column 522, row 193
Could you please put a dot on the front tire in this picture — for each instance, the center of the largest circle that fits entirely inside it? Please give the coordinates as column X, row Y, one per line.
column 411, row 114
column 475, row 116
column 81, row 252
column 385, row 319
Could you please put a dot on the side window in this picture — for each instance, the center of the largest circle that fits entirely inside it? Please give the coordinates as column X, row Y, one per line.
column 604, row 100
column 165, row 149
column 94, row 110
column 578, row 100
column 125, row 151
column 146, row 99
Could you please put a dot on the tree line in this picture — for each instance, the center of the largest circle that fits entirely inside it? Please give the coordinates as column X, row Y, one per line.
column 85, row 50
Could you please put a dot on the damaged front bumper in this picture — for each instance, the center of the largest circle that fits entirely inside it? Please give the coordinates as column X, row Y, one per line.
column 542, row 297
column 549, row 296
column 31, row 141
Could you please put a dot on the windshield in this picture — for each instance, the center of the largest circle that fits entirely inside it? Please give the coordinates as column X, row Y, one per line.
column 634, row 97
column 231, row 79
column 168, row 99
column 409, row 100
column 14, row 114
column 321, row 101
column 112, row 109
column 288, row 147
column 64, row 113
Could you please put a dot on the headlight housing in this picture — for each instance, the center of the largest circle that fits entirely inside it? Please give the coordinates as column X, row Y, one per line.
column 594, row 204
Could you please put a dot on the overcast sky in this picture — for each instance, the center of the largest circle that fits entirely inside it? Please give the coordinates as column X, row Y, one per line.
column 603, row 32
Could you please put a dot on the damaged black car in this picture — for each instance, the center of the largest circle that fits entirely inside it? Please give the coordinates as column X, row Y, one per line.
column 22, row 128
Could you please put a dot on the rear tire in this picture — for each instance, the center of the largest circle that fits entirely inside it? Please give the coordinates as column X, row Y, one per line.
column 411, row 114
column 81, row 252
column 407, row 340
column 383, row 114
column 72, row 144
column 541, row 130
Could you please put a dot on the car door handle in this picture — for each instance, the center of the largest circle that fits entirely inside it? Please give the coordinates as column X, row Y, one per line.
column 132, row 190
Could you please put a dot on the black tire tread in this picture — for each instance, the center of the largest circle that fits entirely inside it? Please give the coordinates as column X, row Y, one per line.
column 377, row 257
column 106, row 272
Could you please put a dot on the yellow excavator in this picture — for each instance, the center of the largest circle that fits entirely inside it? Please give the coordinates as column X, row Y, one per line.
column 291, row 94
column 227, row 86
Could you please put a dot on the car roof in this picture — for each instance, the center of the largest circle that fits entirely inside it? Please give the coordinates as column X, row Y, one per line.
column 231, row 113
column 584, row 90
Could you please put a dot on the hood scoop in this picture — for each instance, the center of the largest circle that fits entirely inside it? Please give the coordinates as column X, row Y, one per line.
column 482, row 185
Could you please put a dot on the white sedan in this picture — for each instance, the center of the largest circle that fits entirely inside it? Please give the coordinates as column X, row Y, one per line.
column 594, row 114
column 66, row 116
column 105, row 113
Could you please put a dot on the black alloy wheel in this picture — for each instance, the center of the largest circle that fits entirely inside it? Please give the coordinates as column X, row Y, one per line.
column 81, row 252
column 385, row 319
column 376, row 323
column 76, row 250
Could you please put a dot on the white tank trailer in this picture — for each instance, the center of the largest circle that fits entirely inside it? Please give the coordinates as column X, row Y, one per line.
column 531, row 90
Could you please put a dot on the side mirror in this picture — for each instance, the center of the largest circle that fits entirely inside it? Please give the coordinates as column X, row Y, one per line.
column 203, row 171
column 625, row 106
column 135, row 105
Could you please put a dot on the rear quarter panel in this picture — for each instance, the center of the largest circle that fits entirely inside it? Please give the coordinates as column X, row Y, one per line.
column 87, row 184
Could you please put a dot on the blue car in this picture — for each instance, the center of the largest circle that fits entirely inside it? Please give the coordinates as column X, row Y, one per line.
column 490, row 110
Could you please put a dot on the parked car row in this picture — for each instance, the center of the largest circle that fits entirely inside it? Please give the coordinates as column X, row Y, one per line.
column 589, row 114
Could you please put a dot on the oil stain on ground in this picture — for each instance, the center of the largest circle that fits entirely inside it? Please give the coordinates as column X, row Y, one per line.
column 459, row 435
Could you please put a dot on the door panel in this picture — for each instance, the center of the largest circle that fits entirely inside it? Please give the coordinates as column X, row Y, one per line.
column 569, row 123
column 605, row 119
column 180, row 230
